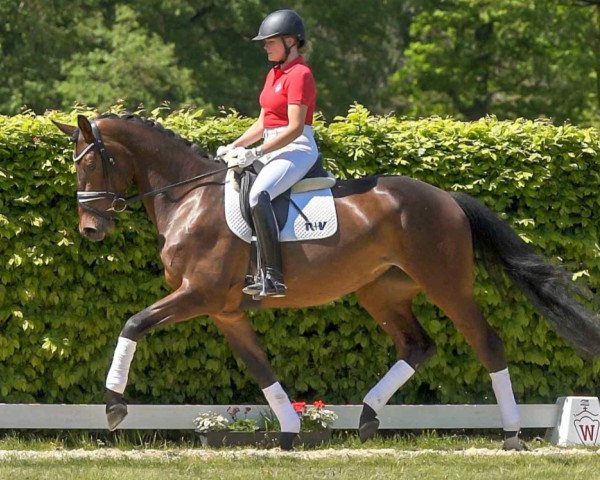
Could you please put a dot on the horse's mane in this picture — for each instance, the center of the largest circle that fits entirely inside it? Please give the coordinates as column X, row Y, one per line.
column 150, row 122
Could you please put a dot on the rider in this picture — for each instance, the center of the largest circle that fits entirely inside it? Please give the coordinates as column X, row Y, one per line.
column 289, row 150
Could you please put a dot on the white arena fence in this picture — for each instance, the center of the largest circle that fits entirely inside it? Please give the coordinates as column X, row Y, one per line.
column 180, row 417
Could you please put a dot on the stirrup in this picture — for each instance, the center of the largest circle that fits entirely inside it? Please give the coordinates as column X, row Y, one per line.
column 253, row 286
column 273, row 285
column 265, row 287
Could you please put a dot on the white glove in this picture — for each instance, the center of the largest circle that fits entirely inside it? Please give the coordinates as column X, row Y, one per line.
column 224, row 150
column 231, row 157
column 246, row 156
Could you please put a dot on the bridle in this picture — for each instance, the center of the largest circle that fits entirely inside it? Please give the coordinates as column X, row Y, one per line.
column 83, row 197
column 119, row 202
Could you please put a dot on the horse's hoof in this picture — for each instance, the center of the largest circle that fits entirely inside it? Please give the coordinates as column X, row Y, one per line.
column 286, row 440
column 115, row 414
column 368, row 423
column 368, row 430
column 514, row 444
column 116, row 409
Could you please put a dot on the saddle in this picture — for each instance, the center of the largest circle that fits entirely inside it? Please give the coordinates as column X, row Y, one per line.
column 309, row 206
column 316, row 178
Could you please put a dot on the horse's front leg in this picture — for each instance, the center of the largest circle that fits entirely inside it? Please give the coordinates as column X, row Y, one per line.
column 241, row 337
column 180, row 305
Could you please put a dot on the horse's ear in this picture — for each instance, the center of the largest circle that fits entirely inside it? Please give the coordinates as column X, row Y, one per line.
column 85, row 127
column 66, row 129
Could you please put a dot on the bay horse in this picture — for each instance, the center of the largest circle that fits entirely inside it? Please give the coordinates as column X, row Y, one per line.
column 397, row 237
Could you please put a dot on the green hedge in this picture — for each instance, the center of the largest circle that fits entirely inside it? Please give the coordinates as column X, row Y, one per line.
column 63, row 299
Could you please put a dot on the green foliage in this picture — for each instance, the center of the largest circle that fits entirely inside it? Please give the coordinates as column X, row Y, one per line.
column 243, row 425
column 105, row 74
column 33, row 40
column 55, row 54
column 466, row 58
column 63, row 299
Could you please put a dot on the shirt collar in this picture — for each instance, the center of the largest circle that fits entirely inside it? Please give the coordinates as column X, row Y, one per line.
column 297, row 61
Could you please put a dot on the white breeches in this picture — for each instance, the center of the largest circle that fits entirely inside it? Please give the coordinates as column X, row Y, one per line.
column 286, row 166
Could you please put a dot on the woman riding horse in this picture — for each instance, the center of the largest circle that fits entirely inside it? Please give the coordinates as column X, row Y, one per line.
column 285, row 122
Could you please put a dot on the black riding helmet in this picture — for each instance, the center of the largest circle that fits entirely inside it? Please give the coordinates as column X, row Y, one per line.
column 282, row 22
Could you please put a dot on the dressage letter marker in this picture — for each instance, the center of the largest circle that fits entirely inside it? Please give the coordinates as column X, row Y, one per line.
column 578, row 422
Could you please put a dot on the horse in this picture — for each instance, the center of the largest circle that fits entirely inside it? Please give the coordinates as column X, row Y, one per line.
column 397, row 237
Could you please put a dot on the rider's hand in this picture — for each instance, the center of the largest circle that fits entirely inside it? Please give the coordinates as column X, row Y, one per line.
column 224, row 150
column 247, row 156
column 233, row 156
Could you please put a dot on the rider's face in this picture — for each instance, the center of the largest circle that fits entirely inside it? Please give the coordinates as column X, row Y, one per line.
column 275, row 49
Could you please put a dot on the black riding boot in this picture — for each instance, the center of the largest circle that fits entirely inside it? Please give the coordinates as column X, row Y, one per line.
column 267, row 234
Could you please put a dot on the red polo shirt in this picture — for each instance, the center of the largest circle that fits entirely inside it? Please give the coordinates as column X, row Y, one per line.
column 293, row 84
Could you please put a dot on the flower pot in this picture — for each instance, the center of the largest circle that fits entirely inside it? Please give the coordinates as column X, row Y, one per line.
column 313, row 438
column 261, row 439
column 237, row 439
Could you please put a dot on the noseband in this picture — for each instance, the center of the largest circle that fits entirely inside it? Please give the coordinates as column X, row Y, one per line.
column 119, row 202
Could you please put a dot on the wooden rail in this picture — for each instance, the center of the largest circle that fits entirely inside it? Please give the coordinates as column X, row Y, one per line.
column 180, row 417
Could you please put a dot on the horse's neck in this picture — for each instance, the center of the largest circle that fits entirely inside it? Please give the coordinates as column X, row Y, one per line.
column 162, row 161
column 164, row 164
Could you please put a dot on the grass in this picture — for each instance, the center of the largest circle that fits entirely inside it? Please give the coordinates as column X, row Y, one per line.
column 430, row 466
column 235, row 464
column 129, row 440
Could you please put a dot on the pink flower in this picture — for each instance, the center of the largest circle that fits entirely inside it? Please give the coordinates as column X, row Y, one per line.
column 319, row 404
column 233, row 411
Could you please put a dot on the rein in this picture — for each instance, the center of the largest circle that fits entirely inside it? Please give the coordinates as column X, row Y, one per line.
column 120, row 202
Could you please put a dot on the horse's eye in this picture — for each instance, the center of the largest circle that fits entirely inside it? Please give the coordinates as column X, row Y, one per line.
column 89, row 165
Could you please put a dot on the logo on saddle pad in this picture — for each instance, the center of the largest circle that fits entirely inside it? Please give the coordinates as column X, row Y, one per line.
column 315, row 226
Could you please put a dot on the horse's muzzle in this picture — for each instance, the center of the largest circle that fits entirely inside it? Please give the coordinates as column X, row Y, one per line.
column 93, row 228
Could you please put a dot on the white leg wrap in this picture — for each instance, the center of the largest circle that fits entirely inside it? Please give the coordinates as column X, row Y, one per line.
column 511, row 417
column 380, row 394
column 116, row 380
column 281, row 406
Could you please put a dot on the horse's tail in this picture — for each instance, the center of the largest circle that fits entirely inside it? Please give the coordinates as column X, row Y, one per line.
column 549, row 288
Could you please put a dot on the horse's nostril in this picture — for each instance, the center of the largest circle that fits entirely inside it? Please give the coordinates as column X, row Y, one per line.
column 92, row 234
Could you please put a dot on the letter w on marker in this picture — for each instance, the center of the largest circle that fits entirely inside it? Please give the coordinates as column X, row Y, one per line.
column 587, row 432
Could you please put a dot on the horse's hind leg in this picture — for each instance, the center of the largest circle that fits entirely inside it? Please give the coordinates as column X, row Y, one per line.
column 389, row 301
column 465, row 314
column 446, row 274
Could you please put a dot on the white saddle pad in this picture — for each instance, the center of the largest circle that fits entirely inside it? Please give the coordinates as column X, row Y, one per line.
column 318, row 206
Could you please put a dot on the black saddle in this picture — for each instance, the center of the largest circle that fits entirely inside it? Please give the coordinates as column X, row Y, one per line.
column 280, row 204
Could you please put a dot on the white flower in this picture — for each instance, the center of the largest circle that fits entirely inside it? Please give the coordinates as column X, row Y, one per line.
column 319, row 416
column 210, row 422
